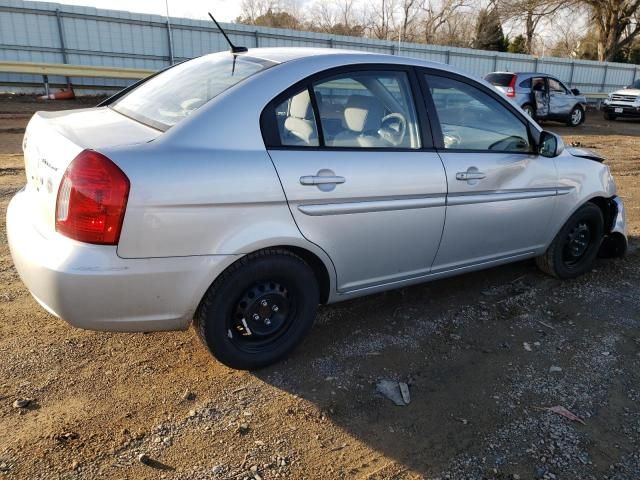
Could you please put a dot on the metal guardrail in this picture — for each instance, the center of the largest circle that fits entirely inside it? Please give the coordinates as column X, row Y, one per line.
column 66, row 70
column 73, row 70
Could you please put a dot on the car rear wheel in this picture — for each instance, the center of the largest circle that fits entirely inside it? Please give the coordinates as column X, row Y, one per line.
column 608, row 116
column 575, row 247
column 259, row 309
column 529, row 110
column 576, row 117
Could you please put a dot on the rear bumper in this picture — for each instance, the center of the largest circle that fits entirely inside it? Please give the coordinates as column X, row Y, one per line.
column 627, row 111
column 90, row 287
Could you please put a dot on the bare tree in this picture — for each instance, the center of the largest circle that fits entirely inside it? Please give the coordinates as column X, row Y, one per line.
column 617, row 23
column 529, row 14
column 437, row 15
column 410, row 12
column 340, row 17
column 382, row 18
column 253, row 11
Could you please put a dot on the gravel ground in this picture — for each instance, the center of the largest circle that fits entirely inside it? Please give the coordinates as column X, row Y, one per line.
column 484, row 356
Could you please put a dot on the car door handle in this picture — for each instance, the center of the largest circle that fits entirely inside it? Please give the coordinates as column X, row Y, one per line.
column 464, row 176
column 321, row 180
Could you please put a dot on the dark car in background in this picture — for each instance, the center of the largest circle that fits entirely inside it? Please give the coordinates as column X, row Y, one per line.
column 542, row 96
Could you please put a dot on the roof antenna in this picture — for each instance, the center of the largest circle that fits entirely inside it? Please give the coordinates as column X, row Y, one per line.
column 234, row 49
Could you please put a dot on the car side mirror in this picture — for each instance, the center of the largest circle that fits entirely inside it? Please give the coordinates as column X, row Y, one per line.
column 550, row 145
column 575, row 91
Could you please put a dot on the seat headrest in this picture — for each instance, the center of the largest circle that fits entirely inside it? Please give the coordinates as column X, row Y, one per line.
column 300, row 106
column 363, row 113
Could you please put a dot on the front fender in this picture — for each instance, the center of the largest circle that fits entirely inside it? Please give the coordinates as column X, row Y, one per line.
column 579, row 181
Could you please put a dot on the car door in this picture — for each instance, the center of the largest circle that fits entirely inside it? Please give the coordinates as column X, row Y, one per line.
column 501, row 193
column 540, row 93
column 560, row 100
column 362, row 179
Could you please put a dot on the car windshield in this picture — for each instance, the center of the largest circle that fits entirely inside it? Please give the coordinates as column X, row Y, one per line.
column 170, row 96
column 635, row 85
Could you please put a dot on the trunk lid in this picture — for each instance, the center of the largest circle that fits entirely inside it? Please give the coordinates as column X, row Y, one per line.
column 53, row 139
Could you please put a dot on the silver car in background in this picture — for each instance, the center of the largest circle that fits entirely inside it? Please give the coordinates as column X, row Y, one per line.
column 542, row 96
column 623, row 103
column 242, row 190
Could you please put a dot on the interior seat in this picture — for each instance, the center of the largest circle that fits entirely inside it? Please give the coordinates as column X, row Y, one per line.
column 362, row 118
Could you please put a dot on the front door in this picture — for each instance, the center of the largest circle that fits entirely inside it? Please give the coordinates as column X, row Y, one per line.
column 560, row 100
column 501, row 194
column 358, row 178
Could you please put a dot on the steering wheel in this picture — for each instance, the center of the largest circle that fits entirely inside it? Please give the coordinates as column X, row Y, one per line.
column 393, row 128
column 512, row 143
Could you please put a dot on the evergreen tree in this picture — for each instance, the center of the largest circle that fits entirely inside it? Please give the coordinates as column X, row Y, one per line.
column 489, row 34
column 518, row 45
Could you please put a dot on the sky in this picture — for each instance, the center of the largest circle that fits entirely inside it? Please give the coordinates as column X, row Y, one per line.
column 223, row 10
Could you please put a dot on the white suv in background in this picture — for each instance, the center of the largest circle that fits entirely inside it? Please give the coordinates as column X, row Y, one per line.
column 623, row 103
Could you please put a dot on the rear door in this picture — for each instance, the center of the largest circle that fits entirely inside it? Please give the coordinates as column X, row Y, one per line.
column 540, row 93
column 501, row 194
column 361, row 177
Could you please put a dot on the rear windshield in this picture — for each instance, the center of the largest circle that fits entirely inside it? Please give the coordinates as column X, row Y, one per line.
column 499, row 79
column 170, row 96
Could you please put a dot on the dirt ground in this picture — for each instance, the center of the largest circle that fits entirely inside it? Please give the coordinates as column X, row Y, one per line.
column 476, row 351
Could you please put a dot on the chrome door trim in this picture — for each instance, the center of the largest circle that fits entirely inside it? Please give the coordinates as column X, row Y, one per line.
column 372, row 206
column 502, row 196
column 565, row 190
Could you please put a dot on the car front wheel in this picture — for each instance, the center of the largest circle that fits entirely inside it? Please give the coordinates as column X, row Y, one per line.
column 576, row 245
column 259, row 309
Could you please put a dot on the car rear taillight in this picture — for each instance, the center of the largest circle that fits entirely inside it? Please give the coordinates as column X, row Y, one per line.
column 511, row 89
column 92, row 199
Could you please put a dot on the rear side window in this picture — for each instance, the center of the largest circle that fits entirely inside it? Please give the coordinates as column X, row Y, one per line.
column 361, row 109
column 525, row 83
column 500, row 79
column 296, row 121
column 367, row 110
column 171, row 96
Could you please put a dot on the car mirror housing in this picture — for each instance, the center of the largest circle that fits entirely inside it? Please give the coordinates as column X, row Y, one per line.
column 575, row 91
column 550, row 144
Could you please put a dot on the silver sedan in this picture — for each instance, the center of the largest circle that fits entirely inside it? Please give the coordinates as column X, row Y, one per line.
column 240, row 191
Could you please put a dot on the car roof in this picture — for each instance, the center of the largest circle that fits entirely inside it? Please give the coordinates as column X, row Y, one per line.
column 525, row 74
column 340, row 56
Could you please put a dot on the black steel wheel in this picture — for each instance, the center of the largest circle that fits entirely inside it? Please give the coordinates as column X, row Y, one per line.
column 263, row 313
column 576, row 245
column 259, row 309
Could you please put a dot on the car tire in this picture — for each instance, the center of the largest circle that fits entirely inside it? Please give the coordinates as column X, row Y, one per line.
column 529, row 110
column 576, row 117
column 259, row 309
column 608, row 116
column 576, row 245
